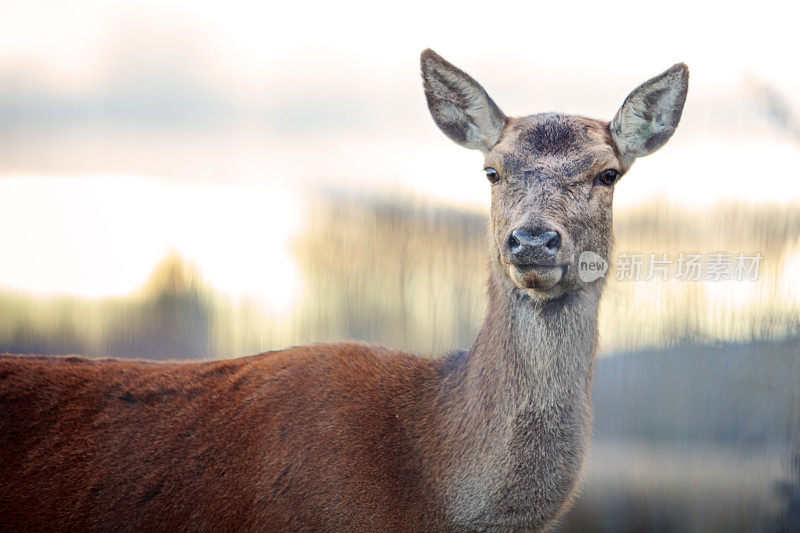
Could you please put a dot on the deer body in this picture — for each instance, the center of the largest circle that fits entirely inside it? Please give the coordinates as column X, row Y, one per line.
column 120, row 444
column 351, row 436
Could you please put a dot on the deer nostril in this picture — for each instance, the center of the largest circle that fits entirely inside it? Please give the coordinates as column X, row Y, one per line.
column 552, row 241
column 519, row 242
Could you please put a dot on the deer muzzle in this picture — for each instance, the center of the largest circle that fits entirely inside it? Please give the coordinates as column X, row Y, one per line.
column 537, row 256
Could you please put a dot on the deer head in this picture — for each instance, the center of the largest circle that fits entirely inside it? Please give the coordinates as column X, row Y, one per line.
column 552, row 175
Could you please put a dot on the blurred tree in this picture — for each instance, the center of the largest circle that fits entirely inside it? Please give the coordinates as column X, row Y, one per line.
column 172, row 320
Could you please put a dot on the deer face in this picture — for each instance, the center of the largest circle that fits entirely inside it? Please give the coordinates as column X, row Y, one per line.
column 552, row 180
column 552, row 175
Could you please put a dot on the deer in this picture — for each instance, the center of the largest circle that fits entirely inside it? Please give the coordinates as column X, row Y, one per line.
column 351, row 436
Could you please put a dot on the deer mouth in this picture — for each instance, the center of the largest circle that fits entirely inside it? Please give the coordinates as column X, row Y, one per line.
column 537, row 277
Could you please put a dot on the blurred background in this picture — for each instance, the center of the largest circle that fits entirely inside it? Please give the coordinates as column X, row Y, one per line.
column 186, row 180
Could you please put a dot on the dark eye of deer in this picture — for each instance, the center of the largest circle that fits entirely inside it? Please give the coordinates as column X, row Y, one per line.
column 492, row 175
column 608, row 177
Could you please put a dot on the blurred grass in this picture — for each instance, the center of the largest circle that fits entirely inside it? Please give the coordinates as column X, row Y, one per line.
column 412, row 275
column 387, row 272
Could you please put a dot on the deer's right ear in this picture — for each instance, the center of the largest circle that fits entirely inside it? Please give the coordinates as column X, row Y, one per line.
column 650, row 114
column 459, row 105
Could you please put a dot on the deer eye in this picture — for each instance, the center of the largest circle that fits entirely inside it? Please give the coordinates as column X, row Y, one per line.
column 608, row 177
column 492, row 175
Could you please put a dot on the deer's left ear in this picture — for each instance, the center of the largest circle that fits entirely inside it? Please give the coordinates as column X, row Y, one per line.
column 650, row 114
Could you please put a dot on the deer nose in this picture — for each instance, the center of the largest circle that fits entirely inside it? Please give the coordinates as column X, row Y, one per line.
column 534, row 248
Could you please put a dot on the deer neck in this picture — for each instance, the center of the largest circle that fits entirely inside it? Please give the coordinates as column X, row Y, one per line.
column 532, row 353
column 521, row 396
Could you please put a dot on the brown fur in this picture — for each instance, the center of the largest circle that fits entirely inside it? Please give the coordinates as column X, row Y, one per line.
column 349, row 436
column 306, row 438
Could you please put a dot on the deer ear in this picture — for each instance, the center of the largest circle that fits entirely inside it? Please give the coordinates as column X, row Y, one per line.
column 459, row 105
column 650, row 114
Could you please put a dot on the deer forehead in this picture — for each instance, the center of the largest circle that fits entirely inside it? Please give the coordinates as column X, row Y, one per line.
column 553, row 145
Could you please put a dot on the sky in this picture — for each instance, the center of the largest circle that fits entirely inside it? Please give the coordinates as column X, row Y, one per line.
column 249, row 39
column 128, row 121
